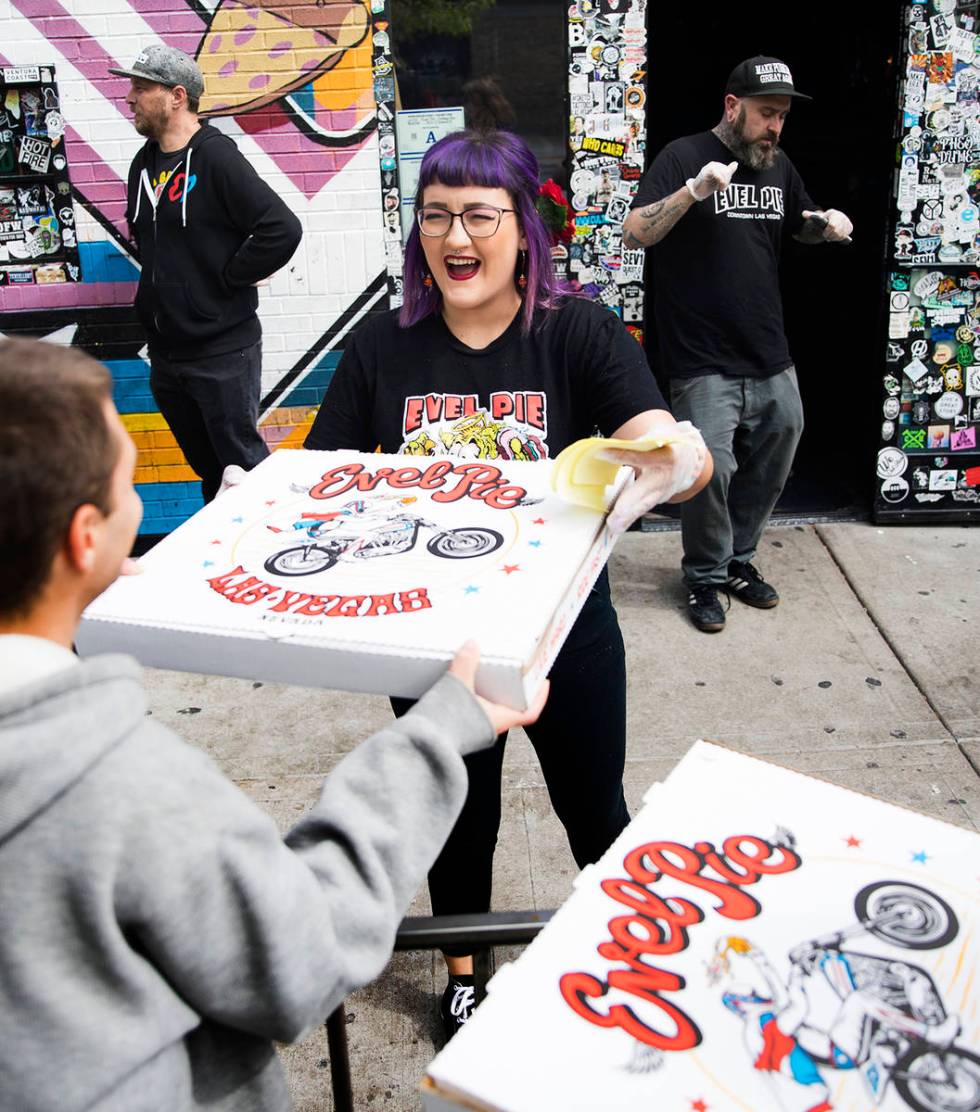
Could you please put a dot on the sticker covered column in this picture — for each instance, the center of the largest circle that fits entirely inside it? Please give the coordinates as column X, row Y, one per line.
column 928, row 461
column 607, row 102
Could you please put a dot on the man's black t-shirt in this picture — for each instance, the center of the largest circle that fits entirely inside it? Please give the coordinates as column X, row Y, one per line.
column 716, row 284
column 163, row 166
column 421, row 391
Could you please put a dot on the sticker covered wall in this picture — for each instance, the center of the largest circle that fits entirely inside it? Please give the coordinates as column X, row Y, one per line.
column 607, row 102
column 37, row 218
column 928, row 461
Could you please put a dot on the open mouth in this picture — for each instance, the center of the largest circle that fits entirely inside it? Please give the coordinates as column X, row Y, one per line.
column 461, row 267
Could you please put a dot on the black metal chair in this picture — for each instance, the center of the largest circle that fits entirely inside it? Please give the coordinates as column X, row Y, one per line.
column 427, row 932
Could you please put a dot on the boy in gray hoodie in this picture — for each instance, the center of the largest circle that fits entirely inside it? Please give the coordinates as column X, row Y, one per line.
column 156, row 933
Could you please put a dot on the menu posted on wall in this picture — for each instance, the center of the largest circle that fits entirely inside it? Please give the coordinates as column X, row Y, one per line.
column 756, row 939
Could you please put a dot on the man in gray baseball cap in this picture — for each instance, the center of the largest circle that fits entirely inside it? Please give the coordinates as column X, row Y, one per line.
column 165, row 65
column 207, row 228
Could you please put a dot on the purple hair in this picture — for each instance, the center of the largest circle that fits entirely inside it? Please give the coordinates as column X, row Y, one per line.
column 496, row 160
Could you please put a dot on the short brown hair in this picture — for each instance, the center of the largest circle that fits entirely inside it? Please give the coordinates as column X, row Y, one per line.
column 56, row 454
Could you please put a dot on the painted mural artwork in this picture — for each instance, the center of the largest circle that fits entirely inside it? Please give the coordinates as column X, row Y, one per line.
column 291, row 81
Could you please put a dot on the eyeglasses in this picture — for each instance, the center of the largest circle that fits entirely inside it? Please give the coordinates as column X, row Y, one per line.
column 479, row 222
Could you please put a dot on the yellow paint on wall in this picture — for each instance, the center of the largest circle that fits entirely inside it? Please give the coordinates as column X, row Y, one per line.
column 298, row 433
column 160, row 460
column 143, row 422
column 177, row 474
column 352, row 74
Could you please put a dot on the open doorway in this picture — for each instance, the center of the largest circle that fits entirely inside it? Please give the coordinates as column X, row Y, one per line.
column 843, row 146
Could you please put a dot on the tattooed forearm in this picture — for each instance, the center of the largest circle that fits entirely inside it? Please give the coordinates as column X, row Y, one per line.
column 648, row 225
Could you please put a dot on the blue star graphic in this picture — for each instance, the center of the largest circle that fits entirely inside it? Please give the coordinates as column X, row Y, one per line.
column 238, row 520
column 921, row 856
column 471, row 590
column 208, row 563
column 534, row 544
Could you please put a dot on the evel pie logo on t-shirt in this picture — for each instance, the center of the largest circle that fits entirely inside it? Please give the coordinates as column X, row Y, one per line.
column 750, row 202
column 514, row 425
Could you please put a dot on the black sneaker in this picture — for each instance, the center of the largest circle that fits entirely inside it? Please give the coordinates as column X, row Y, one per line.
column 745, row 583
column 704, row 607
column 458, row 1002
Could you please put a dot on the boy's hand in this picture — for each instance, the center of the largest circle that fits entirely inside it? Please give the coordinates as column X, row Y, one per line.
column 501, row 718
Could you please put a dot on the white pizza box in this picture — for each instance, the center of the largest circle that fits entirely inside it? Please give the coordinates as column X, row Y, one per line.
column 364, row 572
column 743, row 899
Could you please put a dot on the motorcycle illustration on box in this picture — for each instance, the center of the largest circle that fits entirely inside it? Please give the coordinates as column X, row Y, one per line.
column 841, row 1009
column 358, row 532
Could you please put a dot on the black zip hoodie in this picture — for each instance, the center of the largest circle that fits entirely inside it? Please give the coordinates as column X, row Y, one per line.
column 214, row 231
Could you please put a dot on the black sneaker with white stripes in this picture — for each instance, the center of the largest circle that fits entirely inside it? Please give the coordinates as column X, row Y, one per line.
column 458, row 1002
column 746, row 583
column 704, row 608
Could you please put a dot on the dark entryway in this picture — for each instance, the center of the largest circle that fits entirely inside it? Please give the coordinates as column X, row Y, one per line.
column 842, row 143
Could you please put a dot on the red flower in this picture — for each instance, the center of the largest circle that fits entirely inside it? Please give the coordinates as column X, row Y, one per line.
column 553, row 190
column 556, row 212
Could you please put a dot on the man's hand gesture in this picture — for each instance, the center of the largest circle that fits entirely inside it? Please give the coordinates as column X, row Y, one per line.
column 712, row 178
column 837, row 227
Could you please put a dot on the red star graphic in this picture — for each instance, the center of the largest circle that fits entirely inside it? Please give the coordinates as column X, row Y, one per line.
column 852, row 841
column 216, row 542
column 272, row 503
column 508, row 568
column 698, row 1106
column 538, row 521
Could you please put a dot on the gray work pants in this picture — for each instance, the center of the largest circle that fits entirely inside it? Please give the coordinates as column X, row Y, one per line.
column 752, row 427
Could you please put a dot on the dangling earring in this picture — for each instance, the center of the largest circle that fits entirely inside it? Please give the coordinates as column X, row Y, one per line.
column 522, row 280
column 427, row 281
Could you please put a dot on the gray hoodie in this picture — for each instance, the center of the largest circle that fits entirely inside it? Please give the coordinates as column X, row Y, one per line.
column 156, row 932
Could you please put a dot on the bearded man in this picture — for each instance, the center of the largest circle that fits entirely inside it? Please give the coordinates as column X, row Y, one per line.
column 715, row 207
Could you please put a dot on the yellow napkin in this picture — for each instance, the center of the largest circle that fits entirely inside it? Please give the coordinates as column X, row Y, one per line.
column 580, row 477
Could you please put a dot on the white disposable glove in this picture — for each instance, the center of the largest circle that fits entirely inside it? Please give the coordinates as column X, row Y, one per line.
column 713, row 177
column 231, row 477
column 839, row 227
column 658, row 474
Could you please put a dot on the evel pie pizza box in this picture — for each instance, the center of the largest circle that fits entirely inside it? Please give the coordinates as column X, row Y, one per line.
column 667, row 982
column 364, row 572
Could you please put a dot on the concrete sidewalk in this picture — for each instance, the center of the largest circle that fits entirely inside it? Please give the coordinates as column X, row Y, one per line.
column 866, row 674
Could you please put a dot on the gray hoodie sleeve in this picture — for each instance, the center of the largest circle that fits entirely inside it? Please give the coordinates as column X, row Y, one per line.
column 269, row 935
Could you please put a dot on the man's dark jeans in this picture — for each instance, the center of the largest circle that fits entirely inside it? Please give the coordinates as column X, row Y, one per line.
column 212, row 408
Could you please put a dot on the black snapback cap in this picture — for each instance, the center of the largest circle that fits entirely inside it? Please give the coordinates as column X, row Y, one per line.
column 761, row 76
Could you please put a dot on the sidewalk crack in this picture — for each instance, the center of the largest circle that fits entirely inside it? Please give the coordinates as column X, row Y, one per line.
column 893, row 647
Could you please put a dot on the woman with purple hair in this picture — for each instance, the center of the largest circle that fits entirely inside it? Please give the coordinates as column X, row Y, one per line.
column 490, row 357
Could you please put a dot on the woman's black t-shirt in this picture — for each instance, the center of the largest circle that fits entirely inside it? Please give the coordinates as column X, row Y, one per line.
column 421, row 391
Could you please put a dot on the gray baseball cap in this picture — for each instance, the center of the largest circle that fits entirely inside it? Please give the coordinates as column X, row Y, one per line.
column 166, row 66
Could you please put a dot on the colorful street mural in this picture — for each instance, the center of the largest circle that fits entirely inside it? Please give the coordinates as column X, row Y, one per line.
column 291, row 81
